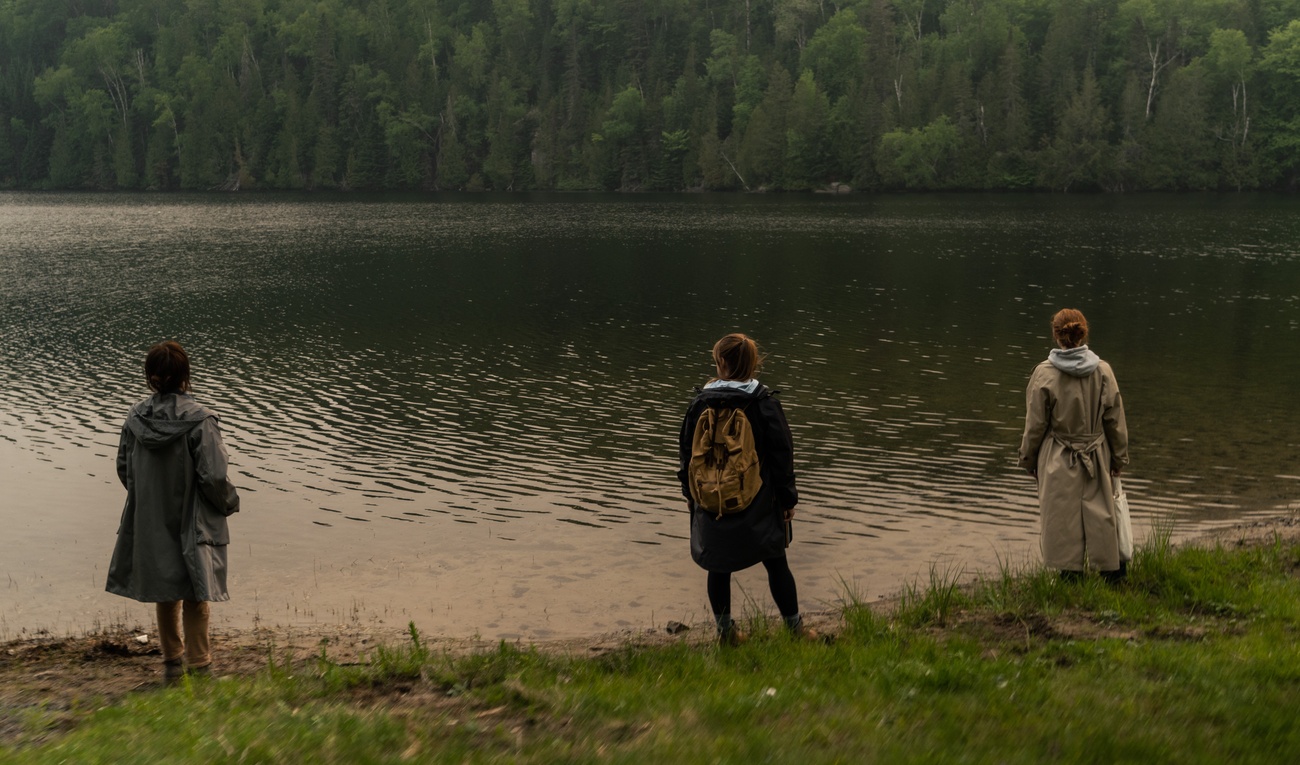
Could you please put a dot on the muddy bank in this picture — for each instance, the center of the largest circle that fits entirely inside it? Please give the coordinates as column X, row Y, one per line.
column 65, row 678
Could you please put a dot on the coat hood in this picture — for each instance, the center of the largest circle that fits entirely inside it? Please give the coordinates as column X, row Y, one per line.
column 747, row 386
column 731, row 395
column 165, row 417
column 1077, row 362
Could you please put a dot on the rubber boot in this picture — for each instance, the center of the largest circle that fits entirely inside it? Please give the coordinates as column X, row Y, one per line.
column 728, row 634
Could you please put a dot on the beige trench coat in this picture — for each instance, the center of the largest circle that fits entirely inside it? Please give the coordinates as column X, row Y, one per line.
column 1075, row 435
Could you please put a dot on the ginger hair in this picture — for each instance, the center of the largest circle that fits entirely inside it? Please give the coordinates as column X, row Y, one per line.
column 1070, row 328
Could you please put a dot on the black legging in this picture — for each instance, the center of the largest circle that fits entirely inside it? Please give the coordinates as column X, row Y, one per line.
column 779, row 579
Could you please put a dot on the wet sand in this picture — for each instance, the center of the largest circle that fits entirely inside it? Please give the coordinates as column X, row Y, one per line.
column 60, row 527
column 459, row 583
column 61, row 507
column 455, row 580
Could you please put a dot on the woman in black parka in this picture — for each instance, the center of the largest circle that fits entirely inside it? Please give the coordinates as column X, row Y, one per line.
column 722, row 544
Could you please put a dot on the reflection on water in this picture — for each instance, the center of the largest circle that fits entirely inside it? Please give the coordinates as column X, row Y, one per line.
column 482, row 360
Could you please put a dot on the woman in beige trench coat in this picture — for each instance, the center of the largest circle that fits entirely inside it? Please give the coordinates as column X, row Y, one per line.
column 1075, row 443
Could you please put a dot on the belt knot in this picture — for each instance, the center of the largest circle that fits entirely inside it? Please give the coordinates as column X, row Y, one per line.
column 1081, row 446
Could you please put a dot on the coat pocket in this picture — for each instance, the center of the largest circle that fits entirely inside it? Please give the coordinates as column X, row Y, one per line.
column 210, row 525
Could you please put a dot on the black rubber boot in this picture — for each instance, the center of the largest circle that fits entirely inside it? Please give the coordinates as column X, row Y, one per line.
column 728, row 634
column 1118, row 575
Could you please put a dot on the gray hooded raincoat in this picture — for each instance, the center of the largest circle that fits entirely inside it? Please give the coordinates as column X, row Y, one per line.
column 171, row 544
column 1075, row 434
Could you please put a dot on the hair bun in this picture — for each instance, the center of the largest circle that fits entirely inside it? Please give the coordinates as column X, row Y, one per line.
column 1070, row 326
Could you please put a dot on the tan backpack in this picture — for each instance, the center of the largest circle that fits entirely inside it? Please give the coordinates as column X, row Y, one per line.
column 724, row 470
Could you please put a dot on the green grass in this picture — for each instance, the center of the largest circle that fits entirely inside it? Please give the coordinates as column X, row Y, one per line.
column 1194, row 660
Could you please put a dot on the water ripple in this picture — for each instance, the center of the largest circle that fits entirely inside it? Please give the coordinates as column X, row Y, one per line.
column 507, row 363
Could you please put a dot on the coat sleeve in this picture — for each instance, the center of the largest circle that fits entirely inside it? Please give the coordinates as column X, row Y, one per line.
column 1114, row 424
column 684, row 447
column 778, row 446
column 1038, row 415
column 212, row 465
column 125, row 443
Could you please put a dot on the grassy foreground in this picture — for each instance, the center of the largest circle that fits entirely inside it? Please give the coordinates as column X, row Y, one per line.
column 1195, row 659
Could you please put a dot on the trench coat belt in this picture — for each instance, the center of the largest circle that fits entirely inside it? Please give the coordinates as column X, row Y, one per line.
column 1080, row 447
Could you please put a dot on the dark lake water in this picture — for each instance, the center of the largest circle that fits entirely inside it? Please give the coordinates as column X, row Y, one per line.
column 522, row 363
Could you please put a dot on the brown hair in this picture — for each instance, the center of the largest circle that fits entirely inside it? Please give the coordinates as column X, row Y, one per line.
column 167, row 368
column 736, row 357
column 1069, row 328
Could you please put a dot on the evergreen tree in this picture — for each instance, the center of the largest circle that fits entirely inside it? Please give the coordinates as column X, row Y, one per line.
column 762, row 150
column 1280, row 70
column 806, row 136
column 1078, row 155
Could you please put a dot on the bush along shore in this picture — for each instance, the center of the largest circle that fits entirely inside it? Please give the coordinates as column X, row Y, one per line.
column 1194, row 659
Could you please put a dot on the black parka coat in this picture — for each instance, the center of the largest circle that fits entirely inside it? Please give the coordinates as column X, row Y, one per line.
column 757, row 533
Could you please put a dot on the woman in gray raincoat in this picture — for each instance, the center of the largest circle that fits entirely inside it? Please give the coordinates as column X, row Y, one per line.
column 171, row 544
column 1075, row 443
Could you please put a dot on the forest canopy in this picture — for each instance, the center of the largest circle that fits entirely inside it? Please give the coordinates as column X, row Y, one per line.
column 1066, row 95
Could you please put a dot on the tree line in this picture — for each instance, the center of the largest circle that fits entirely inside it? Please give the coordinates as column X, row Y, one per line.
column 1109, row 95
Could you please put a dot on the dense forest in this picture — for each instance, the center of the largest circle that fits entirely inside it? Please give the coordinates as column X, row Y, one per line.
column 1067, row 95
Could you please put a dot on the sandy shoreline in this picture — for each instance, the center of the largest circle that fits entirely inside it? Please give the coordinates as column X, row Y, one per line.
column 61, row 506
column 59, row 673
column 351, row 589
column 67, row 677
column 532, row 580
column 458, row 581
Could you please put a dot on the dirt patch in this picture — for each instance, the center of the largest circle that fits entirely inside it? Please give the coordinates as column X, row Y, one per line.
column 1255, row 532
column 1009, row 632
column 1002, row 632
column 48, row 683
column 1184, row 633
